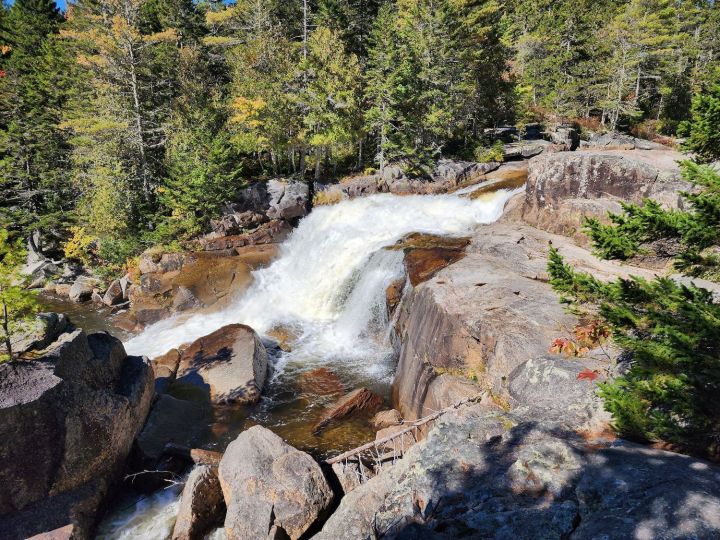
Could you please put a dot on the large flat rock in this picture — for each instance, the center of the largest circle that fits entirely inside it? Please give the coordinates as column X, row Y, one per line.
column 502, row 476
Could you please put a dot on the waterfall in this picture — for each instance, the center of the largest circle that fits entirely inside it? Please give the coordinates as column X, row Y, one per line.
column 328, row 280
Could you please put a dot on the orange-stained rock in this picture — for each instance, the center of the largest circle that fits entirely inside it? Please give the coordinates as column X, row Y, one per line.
column 393, row 294
column 321, row 382
column 357, row 401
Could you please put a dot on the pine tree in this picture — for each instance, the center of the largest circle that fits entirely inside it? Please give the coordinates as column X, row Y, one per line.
column 331, row 98
column 33, row 151
column 703, row 135
column 388, row 76
column 17, row 305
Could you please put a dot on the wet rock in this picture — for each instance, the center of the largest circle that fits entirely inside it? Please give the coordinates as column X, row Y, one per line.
column 358, row 401
column 82, row 289
column 385, row 419
column 230, row 365
column 184, row 299
column 43, row 331
column 114, row 294
column 320, row 382
column 393, row 294
column 426, row 254
column 67, row 422
column 201, row 505
column 563, row 189
column 268, row 483
column 172, row 420
column 288, row 200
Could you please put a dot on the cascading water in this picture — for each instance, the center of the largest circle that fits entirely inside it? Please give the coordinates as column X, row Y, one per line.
column 327, row 276
column 327, row 288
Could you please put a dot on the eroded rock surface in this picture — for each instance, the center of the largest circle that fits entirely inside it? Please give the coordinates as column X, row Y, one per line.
column 565, row 187
column 201, row 505
column 67, row 422
column 268, row 483
column 484, row 316
column 502, row 476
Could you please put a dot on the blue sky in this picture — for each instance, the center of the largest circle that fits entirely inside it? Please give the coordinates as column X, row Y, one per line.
column 62, row 3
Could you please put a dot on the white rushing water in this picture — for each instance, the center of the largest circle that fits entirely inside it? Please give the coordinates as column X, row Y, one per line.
column 329, row 278
column 327, row 286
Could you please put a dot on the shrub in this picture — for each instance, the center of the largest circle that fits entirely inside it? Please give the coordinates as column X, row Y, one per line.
column 496, row 153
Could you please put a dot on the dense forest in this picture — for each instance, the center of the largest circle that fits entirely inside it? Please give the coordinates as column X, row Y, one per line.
column 125, row 123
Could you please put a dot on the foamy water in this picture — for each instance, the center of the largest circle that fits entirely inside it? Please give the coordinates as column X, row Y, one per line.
column 327, row 280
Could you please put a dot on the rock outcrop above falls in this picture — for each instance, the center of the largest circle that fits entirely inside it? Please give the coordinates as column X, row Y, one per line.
column 175, row 282
column 565, row 187
column 446, row 176
column 67, row 422
column 501, row 476
column 484, row 316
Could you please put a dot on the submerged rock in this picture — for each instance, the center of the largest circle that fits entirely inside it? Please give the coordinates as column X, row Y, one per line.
column 269, row 484
column 230, row 365
column 360, row 400
column 321, row 382
column 67, row 422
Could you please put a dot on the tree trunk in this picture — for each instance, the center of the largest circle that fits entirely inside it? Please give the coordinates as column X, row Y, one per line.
column 138, row 125
column 318, row 163
column 6, row 329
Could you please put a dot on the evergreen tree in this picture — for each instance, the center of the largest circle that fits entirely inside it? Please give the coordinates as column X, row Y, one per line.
column 330, row 98
column 703, row 135
column 33, row 152
column 670, row 390
column 17, row 305
column 387, row 89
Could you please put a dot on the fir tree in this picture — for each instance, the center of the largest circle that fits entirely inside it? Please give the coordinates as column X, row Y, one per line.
column 33, row 151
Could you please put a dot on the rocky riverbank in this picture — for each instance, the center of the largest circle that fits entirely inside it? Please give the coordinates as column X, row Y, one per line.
column 528, row 455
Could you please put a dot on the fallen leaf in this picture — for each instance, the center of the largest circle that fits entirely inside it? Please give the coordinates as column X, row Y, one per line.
column 587, row 374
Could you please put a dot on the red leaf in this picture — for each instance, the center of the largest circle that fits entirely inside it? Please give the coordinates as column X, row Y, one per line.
column 587, row 374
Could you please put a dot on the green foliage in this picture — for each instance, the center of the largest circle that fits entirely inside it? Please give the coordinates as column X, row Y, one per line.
column 703, row 134
column 496, row 152
column 672, row 332
column 18, row 306
column 203, row 173
column 696, row 231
